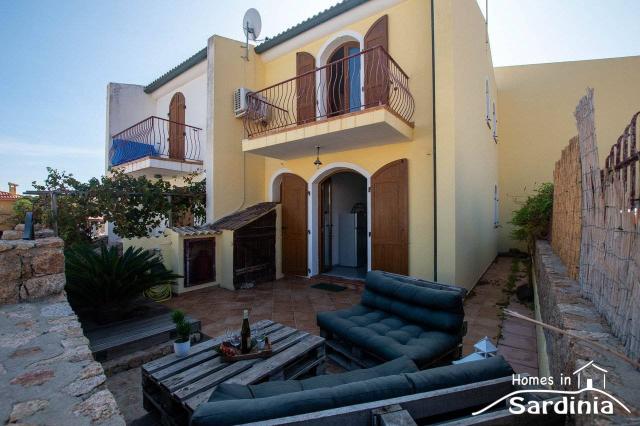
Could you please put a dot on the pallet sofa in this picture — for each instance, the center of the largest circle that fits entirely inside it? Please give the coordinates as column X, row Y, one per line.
column 397, row 316
column 468, row 385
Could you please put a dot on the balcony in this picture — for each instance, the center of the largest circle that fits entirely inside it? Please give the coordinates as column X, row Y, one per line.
column 357, row 101
column 156, row 146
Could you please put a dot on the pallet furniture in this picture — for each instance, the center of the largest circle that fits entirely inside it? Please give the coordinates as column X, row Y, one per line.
column 174, row 387
column 110, row 341
column 397, row 316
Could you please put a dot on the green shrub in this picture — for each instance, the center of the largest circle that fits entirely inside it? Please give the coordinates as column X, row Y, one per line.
column 533, row 218
column 105, row 286
column 183, row 328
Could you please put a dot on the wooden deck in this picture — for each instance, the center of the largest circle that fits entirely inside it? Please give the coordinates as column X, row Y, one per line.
column 110, row 341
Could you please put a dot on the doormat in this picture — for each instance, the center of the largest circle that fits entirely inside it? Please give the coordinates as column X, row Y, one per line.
column 335, row 288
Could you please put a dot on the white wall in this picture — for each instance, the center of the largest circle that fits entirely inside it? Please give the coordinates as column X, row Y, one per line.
column 348, row 189
column 127, row 104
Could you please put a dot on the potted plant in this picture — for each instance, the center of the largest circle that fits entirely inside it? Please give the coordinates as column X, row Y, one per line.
column 183, row 334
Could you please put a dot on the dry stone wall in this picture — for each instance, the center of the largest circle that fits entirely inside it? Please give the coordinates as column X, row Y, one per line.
column 47, row 372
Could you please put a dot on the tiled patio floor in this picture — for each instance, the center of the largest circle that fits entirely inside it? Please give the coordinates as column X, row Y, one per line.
column 292, row 301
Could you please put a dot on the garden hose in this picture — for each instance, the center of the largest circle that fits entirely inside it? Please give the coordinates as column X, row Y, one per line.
column 159, row 293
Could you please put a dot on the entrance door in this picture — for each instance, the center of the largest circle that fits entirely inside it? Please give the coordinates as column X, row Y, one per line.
column 326, row 226
column 176, row 126
column 390, row 218
column 293, row 197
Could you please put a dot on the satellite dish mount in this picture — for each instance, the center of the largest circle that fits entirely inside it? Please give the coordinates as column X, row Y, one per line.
column 251, row 25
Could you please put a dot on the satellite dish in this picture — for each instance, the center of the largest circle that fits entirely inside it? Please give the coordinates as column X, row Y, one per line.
column 252, row 24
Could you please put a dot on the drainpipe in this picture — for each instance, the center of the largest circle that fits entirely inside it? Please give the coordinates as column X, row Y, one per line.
column 433, row 149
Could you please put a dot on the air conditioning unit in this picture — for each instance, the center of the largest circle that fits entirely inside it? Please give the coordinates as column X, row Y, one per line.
column 240, row 101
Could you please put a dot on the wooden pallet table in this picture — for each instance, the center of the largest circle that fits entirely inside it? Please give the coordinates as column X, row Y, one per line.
column 174, row 387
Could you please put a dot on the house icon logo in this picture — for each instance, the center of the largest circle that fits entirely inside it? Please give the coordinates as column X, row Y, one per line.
column 587, row 373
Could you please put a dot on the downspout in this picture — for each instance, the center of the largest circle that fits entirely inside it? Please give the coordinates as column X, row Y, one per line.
column 433, row 149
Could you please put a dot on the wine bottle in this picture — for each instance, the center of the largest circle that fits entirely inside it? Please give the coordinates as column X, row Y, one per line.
column 245, row 334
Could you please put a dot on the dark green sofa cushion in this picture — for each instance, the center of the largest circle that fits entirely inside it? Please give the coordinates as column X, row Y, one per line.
column 230, row 412
column 387, row 336
column 435, row 309
column 226, row 391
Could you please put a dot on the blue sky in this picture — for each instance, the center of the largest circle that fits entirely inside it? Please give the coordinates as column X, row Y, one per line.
column 58, row 56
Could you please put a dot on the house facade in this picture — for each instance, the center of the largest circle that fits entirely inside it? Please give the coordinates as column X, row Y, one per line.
column 373, row 125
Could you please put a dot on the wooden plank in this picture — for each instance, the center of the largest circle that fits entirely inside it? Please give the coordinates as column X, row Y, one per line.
column 155, row 365
column 197, row 398
column 396, row 418
column 212, row 380
column 289, row 350
column 506, row 418
column 186, row 363
column 419, row 406
column 196, row 372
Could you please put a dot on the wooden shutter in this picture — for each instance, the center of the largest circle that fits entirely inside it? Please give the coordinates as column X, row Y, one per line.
column 176, row 127
column 305, row 87
column 293, row 197
column 376, row 66
column 390, row 218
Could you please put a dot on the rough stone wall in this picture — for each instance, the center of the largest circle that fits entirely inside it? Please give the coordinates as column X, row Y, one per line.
column 562, row 305
column 47, row 372
column 566, row 226
column 30, row 270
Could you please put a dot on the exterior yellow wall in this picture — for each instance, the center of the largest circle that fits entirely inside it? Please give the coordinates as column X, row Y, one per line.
column 467, row 156
column 536, row 119
column 236, row 178
column 410, row 46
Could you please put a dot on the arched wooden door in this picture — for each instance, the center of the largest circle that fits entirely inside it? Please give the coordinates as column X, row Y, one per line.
column 176, row 126
column 376, row 66
column 390, row 218
column 293, row 197
column 343, row 79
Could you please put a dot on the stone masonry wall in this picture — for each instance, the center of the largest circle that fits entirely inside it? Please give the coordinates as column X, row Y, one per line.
column 47, row 372
column 562, row 306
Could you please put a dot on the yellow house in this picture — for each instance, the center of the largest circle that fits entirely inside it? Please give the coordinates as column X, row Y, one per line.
column 374, row 127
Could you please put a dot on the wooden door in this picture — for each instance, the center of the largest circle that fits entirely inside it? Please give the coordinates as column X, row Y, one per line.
column 390, row 218
column 305, row 87
column 176, row 126
column 343, row 79
column 325, row 225
column 376, row 64
column 293, row 197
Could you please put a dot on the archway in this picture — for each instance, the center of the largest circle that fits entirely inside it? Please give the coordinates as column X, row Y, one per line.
column 339, row 221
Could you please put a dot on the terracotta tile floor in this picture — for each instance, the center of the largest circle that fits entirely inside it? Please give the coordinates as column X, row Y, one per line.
column 292, row 301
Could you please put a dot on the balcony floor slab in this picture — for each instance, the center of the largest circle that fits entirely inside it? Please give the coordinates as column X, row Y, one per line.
column 371, row 127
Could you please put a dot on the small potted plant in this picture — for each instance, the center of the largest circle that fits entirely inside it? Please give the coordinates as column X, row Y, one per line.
column 183, row 334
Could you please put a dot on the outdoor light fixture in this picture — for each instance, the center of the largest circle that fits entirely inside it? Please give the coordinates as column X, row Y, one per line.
column 317, row 163
column 483, row 349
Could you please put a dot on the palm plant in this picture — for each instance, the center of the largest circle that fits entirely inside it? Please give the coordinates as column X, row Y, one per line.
column 107, row 285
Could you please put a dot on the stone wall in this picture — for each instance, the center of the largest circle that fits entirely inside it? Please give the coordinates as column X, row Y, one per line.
column 30, row 270
column 47, row 372
column 562, row 306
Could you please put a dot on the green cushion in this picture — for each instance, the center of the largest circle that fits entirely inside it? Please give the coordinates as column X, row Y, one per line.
column 227, row 391
column 230, row 412
column 386, row 335
column 460, row 374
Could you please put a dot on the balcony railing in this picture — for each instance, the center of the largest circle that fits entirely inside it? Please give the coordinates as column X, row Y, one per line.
column 364, row 80
column 155, row 137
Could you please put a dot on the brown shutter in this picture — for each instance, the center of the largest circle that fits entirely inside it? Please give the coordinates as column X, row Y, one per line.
column 390, row 218
column 376, row 66
column 294, row 224
column 176, row 127
column 305, row 87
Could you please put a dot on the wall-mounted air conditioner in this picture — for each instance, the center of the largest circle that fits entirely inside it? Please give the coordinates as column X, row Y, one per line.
column 240, row 101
